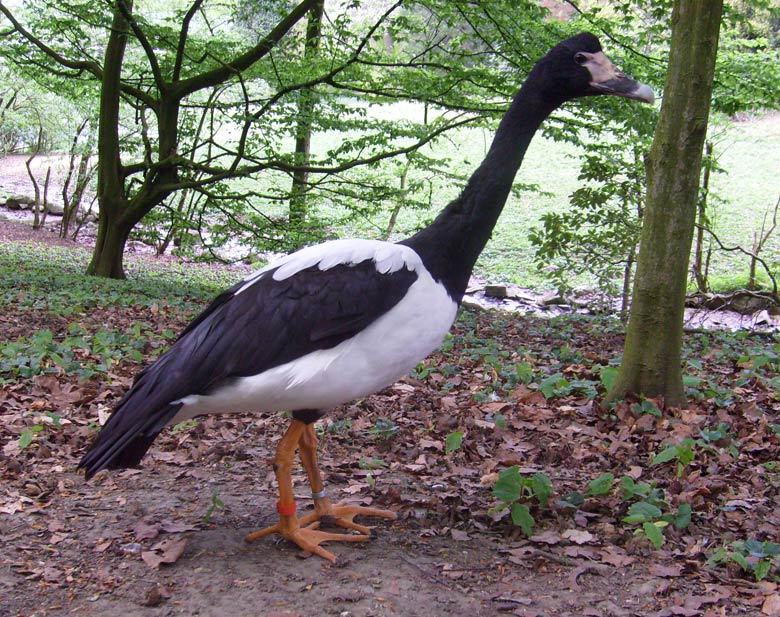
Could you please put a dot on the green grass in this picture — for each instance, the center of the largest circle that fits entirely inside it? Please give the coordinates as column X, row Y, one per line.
column 51, row 278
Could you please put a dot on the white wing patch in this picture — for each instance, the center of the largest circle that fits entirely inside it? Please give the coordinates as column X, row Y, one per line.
column 387, row 258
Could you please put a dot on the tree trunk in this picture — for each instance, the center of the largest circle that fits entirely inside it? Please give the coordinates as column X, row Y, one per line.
column 652, row 357
column 306, row 104
column 625, row 295
column 108, row 258
column 699, row 271
column 36, row 187
column 112, row 233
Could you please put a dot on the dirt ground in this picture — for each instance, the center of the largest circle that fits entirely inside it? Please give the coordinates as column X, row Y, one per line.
column 75, row 549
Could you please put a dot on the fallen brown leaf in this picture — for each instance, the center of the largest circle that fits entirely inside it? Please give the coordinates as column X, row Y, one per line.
column 771, row 606
column 166, row 551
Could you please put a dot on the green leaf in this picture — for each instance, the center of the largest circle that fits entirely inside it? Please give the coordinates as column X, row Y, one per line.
column 521, row 516
column 670, row 453
column 371, row 463
column 683, row 517
column 499, row 420
column 601, row 485
column 761, row 569
column 572, row 500
column 689, row 381
column 740, row 559
column 717, row 558
column 608, row 375
column 641, row 512
column 554, row 385
column 453, row 442
column 509, row 485
column 542, row 488
column 771, row 549
column 654, row 534
column 685, row 453
column 761, row 549
column 647, row 407
column 26, row 438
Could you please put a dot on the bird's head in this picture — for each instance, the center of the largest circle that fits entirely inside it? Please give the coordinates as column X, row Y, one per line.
column 578, row 67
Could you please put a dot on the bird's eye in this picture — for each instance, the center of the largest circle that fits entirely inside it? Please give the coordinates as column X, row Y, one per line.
column 580, row 58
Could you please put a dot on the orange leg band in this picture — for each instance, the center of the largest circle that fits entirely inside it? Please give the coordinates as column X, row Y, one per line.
column 285, row 509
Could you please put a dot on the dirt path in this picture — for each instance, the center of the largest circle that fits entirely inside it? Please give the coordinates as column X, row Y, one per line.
column 76, row 552
column 15, row 180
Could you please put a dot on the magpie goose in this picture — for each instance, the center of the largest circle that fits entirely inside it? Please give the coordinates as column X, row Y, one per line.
column 338, row 321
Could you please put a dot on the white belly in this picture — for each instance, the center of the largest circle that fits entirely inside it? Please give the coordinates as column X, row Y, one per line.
column 373, row 359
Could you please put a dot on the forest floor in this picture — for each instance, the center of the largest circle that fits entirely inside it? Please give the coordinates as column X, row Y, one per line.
column 623, row 508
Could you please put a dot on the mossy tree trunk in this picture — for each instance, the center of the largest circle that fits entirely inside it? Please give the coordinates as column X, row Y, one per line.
column 652, row 356
column 112, row 234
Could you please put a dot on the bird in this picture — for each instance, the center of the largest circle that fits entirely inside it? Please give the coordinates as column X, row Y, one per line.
column 337, row 321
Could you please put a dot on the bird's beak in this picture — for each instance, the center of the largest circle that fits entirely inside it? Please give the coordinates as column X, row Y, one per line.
column 609, row 80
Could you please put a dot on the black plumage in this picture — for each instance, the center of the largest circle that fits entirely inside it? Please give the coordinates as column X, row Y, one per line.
column 274, row 322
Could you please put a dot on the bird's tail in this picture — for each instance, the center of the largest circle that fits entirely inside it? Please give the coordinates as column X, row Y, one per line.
column 126, row 436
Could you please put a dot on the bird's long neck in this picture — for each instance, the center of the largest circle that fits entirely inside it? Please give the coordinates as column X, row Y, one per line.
column 450, row 246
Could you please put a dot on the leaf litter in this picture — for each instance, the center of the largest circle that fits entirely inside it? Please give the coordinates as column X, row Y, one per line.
column 504, row 391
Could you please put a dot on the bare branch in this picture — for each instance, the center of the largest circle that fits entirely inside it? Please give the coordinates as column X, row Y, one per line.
column 140, row 35
column 185, row 25
column 739, row 249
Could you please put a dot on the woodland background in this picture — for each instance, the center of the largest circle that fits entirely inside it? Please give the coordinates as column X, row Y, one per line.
column 519, row 490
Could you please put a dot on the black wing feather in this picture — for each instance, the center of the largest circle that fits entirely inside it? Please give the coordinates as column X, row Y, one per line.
column 267, row 324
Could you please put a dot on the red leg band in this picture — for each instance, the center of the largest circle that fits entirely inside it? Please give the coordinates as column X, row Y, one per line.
column 285, row 510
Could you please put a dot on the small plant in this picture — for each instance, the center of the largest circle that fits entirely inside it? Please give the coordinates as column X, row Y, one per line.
column 607, row 376
column 722, row 397
column 338, row 427
column 555, row 386
column 421, row 371
column 683, row 452
column 383, row 429
column 216, row 504
column 27, row 436
column 513, row 488
column 654, row 521
column 184, row 426
column 600, row 486
column 642, row 491
column 752, row 556
column 499, row 420
column 646, row 407
column 371, row 463
column 720, row 436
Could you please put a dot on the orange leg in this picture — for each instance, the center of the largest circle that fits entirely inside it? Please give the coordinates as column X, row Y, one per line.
column 340, row 515
column 289, row 527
